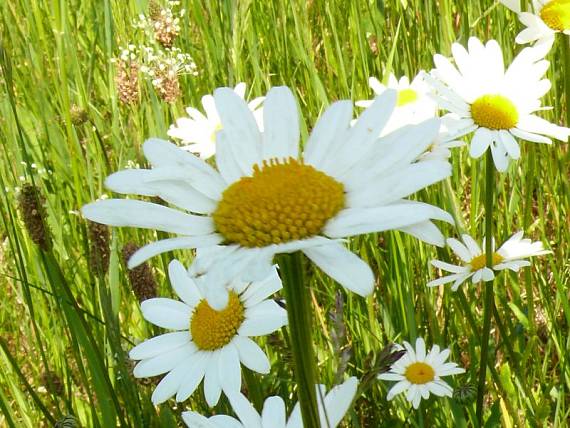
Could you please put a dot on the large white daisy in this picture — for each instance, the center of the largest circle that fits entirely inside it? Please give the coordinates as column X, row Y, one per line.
column 510, row 255
column 206, row 344
column 413, row 106
column 549, row 17
column 497, row 105
column 332, row 408
column 198, row 132
column 265, row 198
column 418, row 374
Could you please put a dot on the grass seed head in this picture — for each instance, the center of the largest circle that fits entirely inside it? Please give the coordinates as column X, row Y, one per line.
column 31, row 204
column 141, row 278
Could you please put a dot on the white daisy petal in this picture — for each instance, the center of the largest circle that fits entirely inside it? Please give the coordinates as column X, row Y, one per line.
column 164, row 362
column 280, row 125
column 338, row 401
column 245, row 411
column 263, row 319
column 273, row 415
column 159, row 345
column 166, row 245
column 212, row 381
column 196, row 369
column 229, row 369
column 345, row 267
column 196, row 420
column 166, row 313
column 251, row 355
column 183, row 284
column 119, row 212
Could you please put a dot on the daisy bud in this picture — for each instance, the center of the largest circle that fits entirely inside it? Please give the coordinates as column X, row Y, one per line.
column 141, row 277
column 99, row 250
column 33, row 213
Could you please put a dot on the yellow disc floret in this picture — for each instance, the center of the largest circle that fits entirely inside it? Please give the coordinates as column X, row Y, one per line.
column 556, row 14
column 480, row 261
column 494, row 112
column 213, row 329
column 419, row 373
column 406, row 96
column 283, row 201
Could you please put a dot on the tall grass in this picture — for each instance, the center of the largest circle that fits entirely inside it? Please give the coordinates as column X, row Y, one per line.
column 65, row 329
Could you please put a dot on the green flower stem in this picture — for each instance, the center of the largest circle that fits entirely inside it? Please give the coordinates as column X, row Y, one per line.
column 488, row 308
column 566, row 50
column 298, row 302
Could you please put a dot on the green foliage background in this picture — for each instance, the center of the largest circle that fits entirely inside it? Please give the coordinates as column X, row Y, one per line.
column 65, row 330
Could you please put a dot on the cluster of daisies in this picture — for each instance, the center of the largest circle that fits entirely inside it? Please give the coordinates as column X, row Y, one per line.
column 240, row 188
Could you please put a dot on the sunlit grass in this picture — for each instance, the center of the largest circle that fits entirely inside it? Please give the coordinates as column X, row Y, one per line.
column 65, row 330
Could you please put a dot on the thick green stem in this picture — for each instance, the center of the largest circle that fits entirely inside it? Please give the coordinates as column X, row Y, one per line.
column 298, row 302
column 488, row 306
column 566, row 55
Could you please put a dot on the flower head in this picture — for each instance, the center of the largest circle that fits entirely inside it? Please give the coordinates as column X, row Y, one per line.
column 413, row 105
column 206, row 344
column 332, row 408
column 198, row 132
column 265, row 198
column 549, row 17
column 509, row 256
column 497, row 105
column 419, row 374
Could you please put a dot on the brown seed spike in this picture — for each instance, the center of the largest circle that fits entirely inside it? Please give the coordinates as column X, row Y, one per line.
column 141, row 278
column 31, row 204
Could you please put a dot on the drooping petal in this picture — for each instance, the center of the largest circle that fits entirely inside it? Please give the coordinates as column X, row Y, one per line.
column 343, row 266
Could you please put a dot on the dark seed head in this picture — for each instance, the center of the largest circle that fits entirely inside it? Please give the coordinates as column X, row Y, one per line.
column 32, row 209
column 99, row 253
column 141, row 278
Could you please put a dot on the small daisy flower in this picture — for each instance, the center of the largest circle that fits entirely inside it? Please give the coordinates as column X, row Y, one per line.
column 549, row 17
column 446, row 139
column 509, row 256
column 413, row 105
column 497, row 105
column 265, row 198
column 198, row 132
column 331, row 411
column 206, row 344
column 419, row 374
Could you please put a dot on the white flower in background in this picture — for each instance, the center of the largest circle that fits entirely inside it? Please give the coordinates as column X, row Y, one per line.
column 413, row 105
column 509, row 256
column 198, row 132
column 266, row 199
column 446, row 139
column 419, row 375
column 549, row 17
column 206, row 344
column 331, row 411
column 495, row 104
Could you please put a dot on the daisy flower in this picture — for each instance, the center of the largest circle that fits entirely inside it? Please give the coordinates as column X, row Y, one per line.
column 446, row 139
column 419, row 374
column 509, row 256
column 497, row 105
column 206, row 344
column 265, row 198
column 198, row 132
column 331, row 411
column 413, row 104
column 549, row 17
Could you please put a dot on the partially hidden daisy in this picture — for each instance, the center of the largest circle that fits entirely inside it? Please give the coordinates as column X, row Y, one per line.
column 510, row 255
column 332, row 408
column 197, row 133
column 497, row 105
column 413, row 106
column 206, row 344
column 446, row 139
column 549, row 17
column 265, row 198
column 419, row 374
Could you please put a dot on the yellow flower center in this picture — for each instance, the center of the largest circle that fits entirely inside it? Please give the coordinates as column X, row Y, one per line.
column 213, row 329
column 556, row 14
column 494, row 112
column 281, row 202
column 419, row 373
column 406, row 96
column 480, row 261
